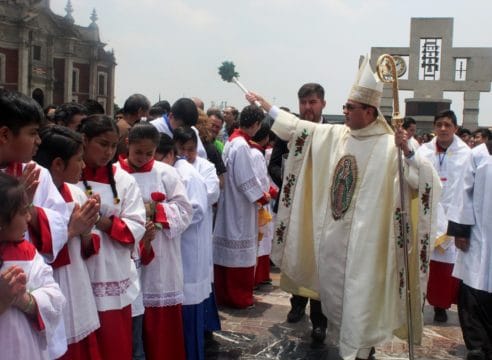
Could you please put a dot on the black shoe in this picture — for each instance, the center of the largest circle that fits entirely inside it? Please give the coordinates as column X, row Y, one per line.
column 318, row 334
column 475, row 354
column 372, row 355
column 295, row 314
column 440, row 315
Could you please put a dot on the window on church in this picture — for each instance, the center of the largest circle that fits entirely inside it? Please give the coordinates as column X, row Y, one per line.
column 460, row 69
column 430, row 59
column 36, row 52
column 75, row 80
column 102, row 84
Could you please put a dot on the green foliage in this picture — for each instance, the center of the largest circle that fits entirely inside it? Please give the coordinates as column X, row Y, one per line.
column 227, row 71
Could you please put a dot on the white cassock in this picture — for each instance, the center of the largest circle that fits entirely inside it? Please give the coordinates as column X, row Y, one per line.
column 162, row 278
column 474, row 266
column 163, row 126
column 236, row 224
column 20, row 338
column 207, row 170
column 114, row 277
column 196, row 268
column 80, row 312
column 449, row 166
column 261, row 172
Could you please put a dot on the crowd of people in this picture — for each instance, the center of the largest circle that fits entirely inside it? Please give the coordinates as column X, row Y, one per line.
column 119, row 237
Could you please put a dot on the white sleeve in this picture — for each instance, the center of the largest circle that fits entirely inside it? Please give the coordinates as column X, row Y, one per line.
column 177, row 206
column 50, row 302
column 48, row 197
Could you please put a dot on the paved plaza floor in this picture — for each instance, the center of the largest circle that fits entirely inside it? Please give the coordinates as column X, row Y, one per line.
column 262, row 332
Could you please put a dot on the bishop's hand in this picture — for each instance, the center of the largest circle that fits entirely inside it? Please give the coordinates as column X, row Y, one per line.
column 252, row 98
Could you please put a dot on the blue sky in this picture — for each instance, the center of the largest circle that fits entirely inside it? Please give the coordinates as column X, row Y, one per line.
column 173, row 48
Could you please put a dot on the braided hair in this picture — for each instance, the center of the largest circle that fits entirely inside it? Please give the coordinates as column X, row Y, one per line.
column 91, row 127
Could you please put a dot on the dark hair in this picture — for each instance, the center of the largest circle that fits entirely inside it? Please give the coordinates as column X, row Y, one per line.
column 93, row 107
column 263, row 132
column 251, row 115
column 484, row 132
column 166, row 145
column 91, row 127
column 57, row 141
column 185, row 110
column 311, row 89
column 446, row 113
column 18, row 110
column 65, row 112
column 463, row 131
column 408, row 121
column 163, row 106
column 215, row 112
column 134, row 103
column 95, row 125
column 12, row 197
column 184, row 134
column 143, row 131
column 234, row 111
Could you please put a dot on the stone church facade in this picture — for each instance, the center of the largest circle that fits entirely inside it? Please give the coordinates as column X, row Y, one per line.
column 50, row 58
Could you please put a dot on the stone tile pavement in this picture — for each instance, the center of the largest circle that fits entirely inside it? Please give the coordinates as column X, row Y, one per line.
column 263, row 333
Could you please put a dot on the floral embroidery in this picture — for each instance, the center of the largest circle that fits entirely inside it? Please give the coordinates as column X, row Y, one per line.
column 300, row 141
column 424, row 254
column 111, row 288
column 286, row 192
column 399, row 234
column 280, row 232
column 426, row 198
column 343, row 186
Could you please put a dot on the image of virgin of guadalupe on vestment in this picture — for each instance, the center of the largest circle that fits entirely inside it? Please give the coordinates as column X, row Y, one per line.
column 354, row 260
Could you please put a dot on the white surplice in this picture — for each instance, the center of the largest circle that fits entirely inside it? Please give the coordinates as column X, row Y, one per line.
column 207, row 170
column 18, row 337
column 196, row 268
column 449, row 166
column 80, row 313
column 236, row 224
column 474, row 266
column 113, row 274
column 162, row 278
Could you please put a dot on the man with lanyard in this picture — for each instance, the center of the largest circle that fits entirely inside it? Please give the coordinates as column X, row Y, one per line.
column 449, row 155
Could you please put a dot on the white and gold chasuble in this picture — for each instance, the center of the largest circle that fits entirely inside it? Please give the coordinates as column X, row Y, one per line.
column 354, row 263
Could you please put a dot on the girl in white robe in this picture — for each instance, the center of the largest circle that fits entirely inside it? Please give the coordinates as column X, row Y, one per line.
column 31, row 302
column 121, row 225
column 169, row 213
column 61, row 151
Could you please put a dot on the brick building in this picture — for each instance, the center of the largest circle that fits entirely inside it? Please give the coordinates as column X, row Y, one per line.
column 52, row 59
